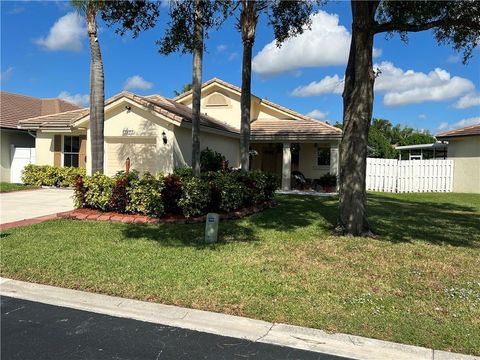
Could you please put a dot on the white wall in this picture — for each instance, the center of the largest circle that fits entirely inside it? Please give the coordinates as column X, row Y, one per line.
column 7, row 139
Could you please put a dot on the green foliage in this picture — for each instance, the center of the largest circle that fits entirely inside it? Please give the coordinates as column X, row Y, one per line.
column 380, row 146
column 195, row 197
column 98, row 191
column 178, row 36
column 217, row 191
column 183, row 172
column 328, row 180
column 145, row 196
column 185, row 88
column 453, row 22
column 46, row 175
column 211, row 160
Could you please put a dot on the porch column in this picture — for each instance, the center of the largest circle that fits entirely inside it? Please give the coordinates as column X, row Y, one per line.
column 286, row 166
column 334, row 161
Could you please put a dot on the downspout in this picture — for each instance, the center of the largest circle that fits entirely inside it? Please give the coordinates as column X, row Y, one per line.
column 34, row 135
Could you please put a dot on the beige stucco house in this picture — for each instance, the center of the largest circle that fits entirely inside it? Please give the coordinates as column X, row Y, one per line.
column 155, row 134
column 464, row 150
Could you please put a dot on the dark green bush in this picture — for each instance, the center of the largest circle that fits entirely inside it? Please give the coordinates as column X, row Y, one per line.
column 211, row 160
column 145, row 196
column 328, row 180
column 183, row 172
column 46, row 175
column 195, row 197
column 219, row 191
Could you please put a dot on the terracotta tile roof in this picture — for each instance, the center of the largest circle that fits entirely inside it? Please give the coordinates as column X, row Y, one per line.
column 466, row 131
column 294, row 129
column 16, row 107
column 178, row 113
column 266, row 102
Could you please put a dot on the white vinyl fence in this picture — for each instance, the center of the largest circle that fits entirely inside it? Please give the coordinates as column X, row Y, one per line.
column 390, row 175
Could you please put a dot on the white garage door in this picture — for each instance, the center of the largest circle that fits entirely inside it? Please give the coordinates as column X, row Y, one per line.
column 142, row 153
column 20, row 158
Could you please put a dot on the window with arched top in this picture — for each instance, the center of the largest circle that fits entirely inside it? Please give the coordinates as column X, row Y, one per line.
column 216, row 100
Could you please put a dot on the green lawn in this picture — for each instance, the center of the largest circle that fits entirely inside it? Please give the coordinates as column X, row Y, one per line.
column 8, row 187
column 418, row 283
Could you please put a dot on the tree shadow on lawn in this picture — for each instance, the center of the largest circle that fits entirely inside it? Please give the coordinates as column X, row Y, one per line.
column 440, row 223
column 190, row 235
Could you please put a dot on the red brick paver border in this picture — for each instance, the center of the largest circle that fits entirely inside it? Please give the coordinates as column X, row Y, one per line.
column 90, row 214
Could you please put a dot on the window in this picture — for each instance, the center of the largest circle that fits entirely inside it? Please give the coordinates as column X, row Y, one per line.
column 323, row 156
column 71, row 150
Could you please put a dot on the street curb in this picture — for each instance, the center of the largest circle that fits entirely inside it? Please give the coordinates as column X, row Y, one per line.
column 351, row 346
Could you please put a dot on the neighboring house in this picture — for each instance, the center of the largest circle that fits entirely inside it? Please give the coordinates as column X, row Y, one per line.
column 438, row 150
column 464, row 149
column 155, row 134
column 18, row 145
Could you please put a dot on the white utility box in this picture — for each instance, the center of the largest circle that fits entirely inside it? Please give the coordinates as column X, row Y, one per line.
column 211, row 228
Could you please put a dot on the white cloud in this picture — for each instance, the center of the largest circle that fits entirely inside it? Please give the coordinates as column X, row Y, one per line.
column 410, row 87
column 422, row 116
column 445, row 126
column 452, row 59
column 221, row 48
column 232, row 56
column 398, row 86
column 79, row 99
column 16, row 10
column 137, row 82
column 5, row 75
column 318, row 114
column 326, row 43
column 66, row 34
column 328, row 85
column 469, row 100
column 377, row 52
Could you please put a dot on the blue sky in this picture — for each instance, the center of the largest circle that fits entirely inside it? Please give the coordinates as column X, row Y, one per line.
column 44, row 53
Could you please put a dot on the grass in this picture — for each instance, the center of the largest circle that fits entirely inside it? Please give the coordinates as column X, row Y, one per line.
column 418, row 283
column 9, row 187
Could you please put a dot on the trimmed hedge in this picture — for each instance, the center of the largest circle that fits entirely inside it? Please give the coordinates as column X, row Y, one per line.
column 219, row 191
column 46, row 175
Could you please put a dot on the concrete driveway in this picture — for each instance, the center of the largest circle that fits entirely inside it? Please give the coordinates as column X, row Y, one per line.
column 21, row 205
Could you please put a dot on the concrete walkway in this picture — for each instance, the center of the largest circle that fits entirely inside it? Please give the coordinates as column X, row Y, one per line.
column 343, row 345
column 22, row 205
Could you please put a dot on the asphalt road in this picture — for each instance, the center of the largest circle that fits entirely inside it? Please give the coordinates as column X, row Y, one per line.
column 31, row 330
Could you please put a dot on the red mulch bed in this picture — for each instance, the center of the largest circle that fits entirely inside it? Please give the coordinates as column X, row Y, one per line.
column 91, row 214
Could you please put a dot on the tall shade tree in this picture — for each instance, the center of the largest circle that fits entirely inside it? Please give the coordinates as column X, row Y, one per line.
column 97, row 87
column 288, row 18
column 453, row 22
column 186, row 32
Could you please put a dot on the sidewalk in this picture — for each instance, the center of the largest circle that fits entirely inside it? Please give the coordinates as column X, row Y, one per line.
column 226, row 325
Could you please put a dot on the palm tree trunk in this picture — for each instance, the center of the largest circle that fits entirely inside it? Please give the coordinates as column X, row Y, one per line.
column 357, row 115
column 197, row 85
column 97, row 93
column 248, row 23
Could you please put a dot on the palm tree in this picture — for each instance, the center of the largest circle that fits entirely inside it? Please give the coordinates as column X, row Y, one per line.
column 247, row 26
column 97, row 92
column 197, row 85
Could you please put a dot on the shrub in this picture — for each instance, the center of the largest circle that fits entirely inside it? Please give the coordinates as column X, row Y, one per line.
column 211, row 160
column 119, row 200
column 171, row 193
column 145, row 196
column 79, row 193
column 98, row 191
column 328, row 180
column 232, row 193
column 183, row 172
column 195, row 197
column 46, row 175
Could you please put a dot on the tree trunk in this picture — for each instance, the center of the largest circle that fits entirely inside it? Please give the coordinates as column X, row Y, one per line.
column 97, row 93
column 197, row 85
column 248, row 23
column 357, row 115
